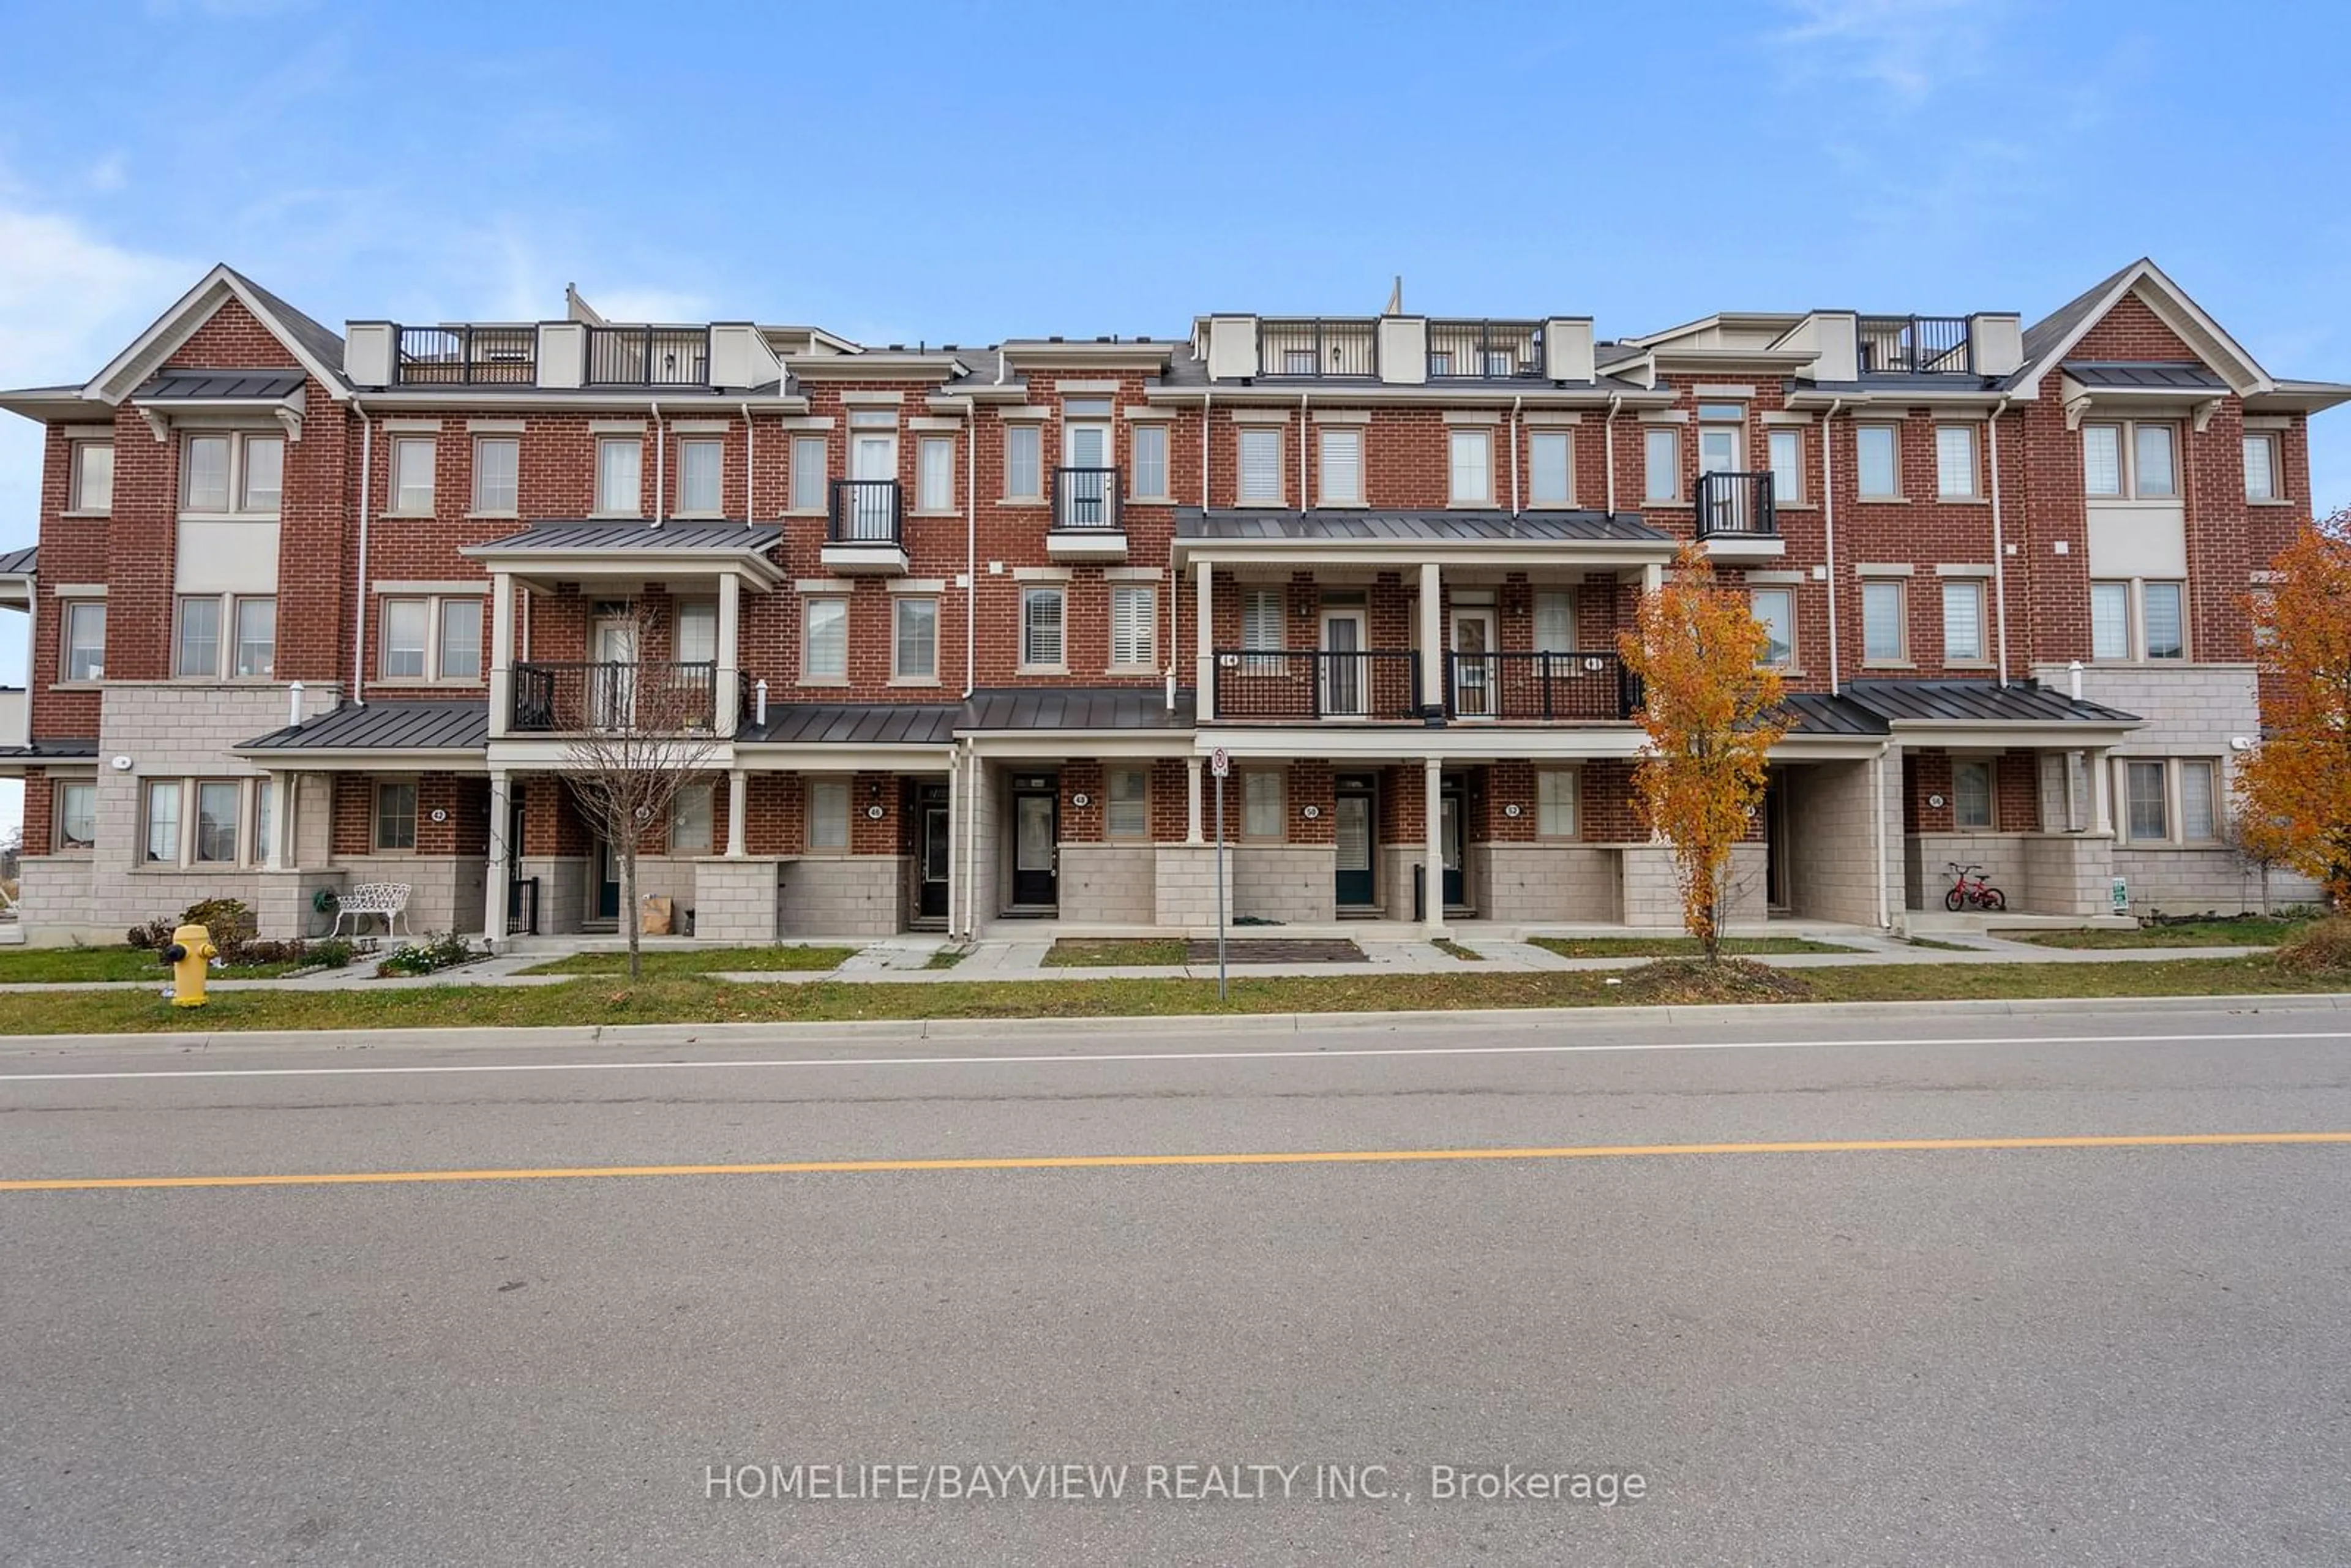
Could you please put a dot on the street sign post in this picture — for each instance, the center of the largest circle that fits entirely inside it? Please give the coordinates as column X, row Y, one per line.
column 1220, row 763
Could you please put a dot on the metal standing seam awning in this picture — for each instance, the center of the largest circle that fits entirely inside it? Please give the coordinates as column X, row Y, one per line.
column 1985, row 714
column 441, row 737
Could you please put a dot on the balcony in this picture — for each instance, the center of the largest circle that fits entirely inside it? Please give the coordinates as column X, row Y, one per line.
column 1737, row 519
column 1485, row 351
column 864, row 528
column 1086, row 525
column 1539, row 688
column 466, row 356
column 1305, row 685
column 1318, row 347
column 1915, row 346
column 648, row 357
column 649, row 697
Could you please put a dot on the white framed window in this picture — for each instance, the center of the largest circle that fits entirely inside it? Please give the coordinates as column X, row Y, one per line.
column 2138, row 618
column 2154, row 471
column 619, row 476
column 1786, row 447
column 204, row 473
column 497, row 476
column 162, row 822
column 1661, row 462
column 2110, row 621
column 257, row 637
column 915, row 642
column 1878, row 461
column 2163, row 613
column 430, row 637
column 1883, row 639
column 1040, row 628
column 407, row 639
column 1554, row 620
column 1024, row 476
column 1963, row 622
column 225, row 634
column 1150, row 448
column 411, row 476
column 701, row 477
column 199, row 641
column 808, row 472
column 461, row 638
column 1259, row 455
column 1133, row 625
column 828, row 814
column 2260, row 467
column 85, row 640
column 1471, row 467
column 1557, row 791
column 91, row 480
column 1261, row 811
column 935, row 474
column 2127, row 460
column 1775, row 612
column 395, row 815
column 2173, row 800
column 228, row 475
column 1128, row 813
column 696, row 638
column 824, row 652
column 2198, row 821
column 1954, row 461
column 2102, row 459
column 75, row 812
column 265, row 803
column 219, row 809
column 690, row 815
column 2146, row 801
column 1341, row 468
column 1264, row 624
column 1971, row 785
column 1551, row 469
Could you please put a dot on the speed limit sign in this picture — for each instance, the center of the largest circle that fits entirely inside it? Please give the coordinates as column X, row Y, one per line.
column 1220, row 762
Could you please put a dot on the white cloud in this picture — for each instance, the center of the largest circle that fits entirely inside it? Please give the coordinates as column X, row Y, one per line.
column 657, row 304
column 1908, row 49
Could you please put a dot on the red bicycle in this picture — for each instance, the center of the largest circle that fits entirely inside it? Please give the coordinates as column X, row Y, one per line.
column 1973, row 891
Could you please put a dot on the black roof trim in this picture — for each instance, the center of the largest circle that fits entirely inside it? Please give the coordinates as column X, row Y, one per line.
column 20, row 562
column 272, row 385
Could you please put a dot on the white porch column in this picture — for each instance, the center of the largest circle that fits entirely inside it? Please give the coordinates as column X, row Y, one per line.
column 2102, row 787
column 1192, row 833
column 502, row 853
column 1203, row 662
column 730, row 613
column 1433, row 878
column 502, row 626
column 1431, row 644
column 279, row 850
column 737, row 789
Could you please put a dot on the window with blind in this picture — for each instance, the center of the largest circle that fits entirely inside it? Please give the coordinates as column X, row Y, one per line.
column 1261, row 805
column 1661, row 462
column 935, row 474
column 825, row 630
column 1882, row 629
column 2148, row 814
column 1971, row 795
column 1133, row 625
column 1963, row 623
column 1954, row 461
column 1877, row 468
column 1550, row 482
column 916, row 641
column 2129, row 460
column 1554, row 621
column 828, row 814
column 1787, row 450
column 1040, row 628
column 2260, row 468
column 1472, row 466
column 1128, row 813
column 1263, row 626
column 698, row 467
column 1342, row 468
column 808, row 472
column 1148, row 443
column 619, row 477
column 1260, row 467
column 1555, row 801
column 1024, row 479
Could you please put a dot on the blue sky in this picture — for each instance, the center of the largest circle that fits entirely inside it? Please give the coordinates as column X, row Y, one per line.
column 964, row 173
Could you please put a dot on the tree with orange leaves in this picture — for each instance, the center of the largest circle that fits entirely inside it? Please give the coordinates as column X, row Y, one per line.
column 1711, row 707
column 2293, row 793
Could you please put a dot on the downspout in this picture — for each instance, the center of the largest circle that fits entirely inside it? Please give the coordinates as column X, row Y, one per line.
column 1999, row 544
column 661, row 477
column 1514, row 453
column 970, row 545
column 1828, row 521
column 359, row 618
column 1302, row 429
column 750, row 467
column 1206, row 430
column 1608, row 434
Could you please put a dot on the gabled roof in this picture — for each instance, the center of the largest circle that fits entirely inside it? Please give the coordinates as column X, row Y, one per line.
column 2049, row 339
column 318, row 350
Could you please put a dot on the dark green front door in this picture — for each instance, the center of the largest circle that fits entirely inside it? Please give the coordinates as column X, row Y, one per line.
column 1450, row 807
column 1356, row 884
column 608, row 882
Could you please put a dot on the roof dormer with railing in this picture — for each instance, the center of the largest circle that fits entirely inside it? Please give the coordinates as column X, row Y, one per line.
column 1395, row 351
column 566, row 356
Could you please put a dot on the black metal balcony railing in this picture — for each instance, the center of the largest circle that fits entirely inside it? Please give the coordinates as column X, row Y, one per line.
column 1551, row 688
column 1915, row 345
column 1739, row 505
column 1307, row 684
column 1317, row 346
column 648, row 356
column 1086, row 499
column 659, row 697
column 864, row 512
column 1486, row 349
column 466, row 356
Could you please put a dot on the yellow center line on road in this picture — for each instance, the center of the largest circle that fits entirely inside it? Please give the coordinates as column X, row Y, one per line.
column 1099, row 1162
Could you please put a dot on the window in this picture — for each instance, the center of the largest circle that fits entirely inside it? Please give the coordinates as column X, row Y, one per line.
column 85, row 638
column 1661, row 457
column 1954, row 461
column 935, row 474
column 1023, row 477
column 204, row 483
column 411, row 476
column 395, row 815
column 808, row 472
column 2151, row 472
column 1341, row 468
column 1876, row 462
column 76, row 815
column 828, row 814
column 1550, row 472
column 407, row 624
column 264, row 803
column 1963, row 623
column 1775, row 611
column 1261, row 805
column 2260, row 467
column 620, row 485
column 2166, row 636
column 1040, row 627
column 431, row 639
column 257, row 637
column 163, row 821
column 1133, row 626
column 1128, row 815
column 216, row 821
column 2102, row 459
column 700, row 465
column 2148, row 815
column 689, row 820
column 1472, row 467
column 697, row 642
column 2151, row 462
column 1554, row 621
column 1555, row 798
column 199, row 637
column 1787, row 450
column 1150, row 443
column 2138, row 620
column 826, row 628
column 2197, row 820
column 92, row 479
column 1971, row 794
column 1263, row 626
column 498, row 468
column 917, row 639
column 1882, row 640
column 1260, row 472
column 2110, row 635
column 461, row 638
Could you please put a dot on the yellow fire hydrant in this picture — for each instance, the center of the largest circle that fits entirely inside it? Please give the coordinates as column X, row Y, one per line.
column 189, row 955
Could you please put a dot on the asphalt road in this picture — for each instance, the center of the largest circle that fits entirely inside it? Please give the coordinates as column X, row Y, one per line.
column 2122, row 1354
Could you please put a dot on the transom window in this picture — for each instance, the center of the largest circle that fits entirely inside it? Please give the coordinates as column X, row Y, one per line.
column 2128, row 460
column 227, row 474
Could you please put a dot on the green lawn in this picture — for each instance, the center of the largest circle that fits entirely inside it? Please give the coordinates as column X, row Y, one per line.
column 947, row 957
column 1451, row 948
column 1676, row 946
column 56, row 965
column 1109, row 952
column 699, row 961
column 687, row 999
column 2249, row 932
column 1939, row 946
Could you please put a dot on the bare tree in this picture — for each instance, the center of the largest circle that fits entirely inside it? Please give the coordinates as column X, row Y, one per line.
column 640, row 732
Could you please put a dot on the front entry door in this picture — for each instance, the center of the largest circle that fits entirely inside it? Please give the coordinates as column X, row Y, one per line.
column 871, row 515
column 1085, row 493
column 1473, row 664
column 1717, row 452
column 1356, row 884
column 1449, row 815
column 608, row 882
column 936, row 850
column 1036, row 830
column 612, row 682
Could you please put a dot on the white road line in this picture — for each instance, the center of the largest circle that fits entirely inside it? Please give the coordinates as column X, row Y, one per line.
column 1149, row 1056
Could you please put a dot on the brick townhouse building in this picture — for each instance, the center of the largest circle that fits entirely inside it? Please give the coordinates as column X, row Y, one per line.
column 963, row 625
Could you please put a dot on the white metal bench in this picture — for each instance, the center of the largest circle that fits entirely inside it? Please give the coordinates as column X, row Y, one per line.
column 387, row 899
